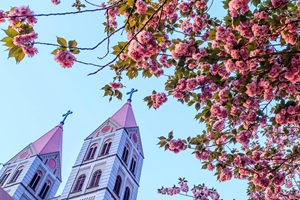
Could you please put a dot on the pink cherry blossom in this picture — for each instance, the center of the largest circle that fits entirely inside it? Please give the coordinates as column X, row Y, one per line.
column 55, row 2
column 64, row 58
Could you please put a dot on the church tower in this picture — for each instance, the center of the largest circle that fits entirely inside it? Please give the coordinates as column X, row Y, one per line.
column 35, row 172
column 109, row 163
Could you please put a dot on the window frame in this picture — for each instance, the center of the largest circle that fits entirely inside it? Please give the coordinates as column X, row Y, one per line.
column 118, row 185
column 79, row 183
column 126, row 194
column 92, row 151
column 95, row 178
column 125, row 153
column 16, row 174
column 5, row 177
column 35, row 179
column 106, row 147
column 133, row 164
column 45, row 189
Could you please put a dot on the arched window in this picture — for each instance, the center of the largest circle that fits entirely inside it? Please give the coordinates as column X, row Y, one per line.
column 79, row 183
column 118, row 184
column 132, row 165
column 17, row 174
column 95, row 178
column 4, row 178
column 45, row 189
column 126, row 194
column 91, row 152
column 35, row 180
column 125, row 153
column 106, row 147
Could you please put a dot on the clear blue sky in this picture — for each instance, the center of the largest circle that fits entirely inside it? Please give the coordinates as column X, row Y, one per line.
column 36, row 92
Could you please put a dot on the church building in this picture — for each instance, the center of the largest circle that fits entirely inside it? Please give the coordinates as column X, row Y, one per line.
column 108, row 166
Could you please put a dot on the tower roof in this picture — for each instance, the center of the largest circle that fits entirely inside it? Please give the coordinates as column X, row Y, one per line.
column 124, row 116
column 4, row 195
column 50, row 142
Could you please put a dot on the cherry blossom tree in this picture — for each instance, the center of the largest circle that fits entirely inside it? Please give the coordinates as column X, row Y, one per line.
column 240, row 72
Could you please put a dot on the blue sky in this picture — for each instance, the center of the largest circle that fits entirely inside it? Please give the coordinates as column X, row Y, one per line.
column 36, row 92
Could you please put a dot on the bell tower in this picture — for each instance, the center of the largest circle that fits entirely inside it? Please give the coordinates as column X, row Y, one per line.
column 109, row 163
column 35, row 172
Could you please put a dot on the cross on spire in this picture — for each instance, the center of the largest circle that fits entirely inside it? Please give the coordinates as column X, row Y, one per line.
column 65, row 116
column 130, row 93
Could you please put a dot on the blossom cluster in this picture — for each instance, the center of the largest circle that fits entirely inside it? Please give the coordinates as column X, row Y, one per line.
column 21, row 14
column 176, row 145
column 55, row 2
column 64, row 58
column 158, row 99
column 198, row 192
column 2, row 16
column 143, row 46
column 115, row 85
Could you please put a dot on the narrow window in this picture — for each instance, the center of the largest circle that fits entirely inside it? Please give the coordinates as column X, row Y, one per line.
column 106, row 147
column 17, row 174
column 118, row 184
column 45, row 189
column 4, row 178
column 91, row 152
column 96, row 178
column 79, row 183
column 126, row 194
column 125, row 154
column 35, row 180
column 132, row 165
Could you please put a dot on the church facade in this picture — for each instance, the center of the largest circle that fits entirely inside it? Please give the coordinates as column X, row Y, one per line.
column 108, row 166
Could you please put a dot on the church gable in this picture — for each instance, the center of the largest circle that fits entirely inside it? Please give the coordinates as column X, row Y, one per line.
column 107, row 127
column 52, row 161
column 134, row 135
column 26, row 153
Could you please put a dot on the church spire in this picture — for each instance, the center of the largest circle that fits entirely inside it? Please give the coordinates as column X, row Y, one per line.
column 124, row 116
column 51, row 141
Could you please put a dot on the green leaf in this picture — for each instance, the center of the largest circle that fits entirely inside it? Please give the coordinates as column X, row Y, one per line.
column 15, row 51
column 75, row 51
column 72, row 43
column 197, row 106
column 20, row 57
column 130, row 3
column 62, row 41
column 150, row 11
column 10, row 32
column 123, row 9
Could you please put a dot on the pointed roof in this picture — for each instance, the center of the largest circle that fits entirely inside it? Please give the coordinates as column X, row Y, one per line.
column 124, row 116
column 50, row 142
column 4, row 195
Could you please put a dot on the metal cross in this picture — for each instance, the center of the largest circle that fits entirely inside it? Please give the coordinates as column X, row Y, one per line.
column 130, row 93
column 65, row 116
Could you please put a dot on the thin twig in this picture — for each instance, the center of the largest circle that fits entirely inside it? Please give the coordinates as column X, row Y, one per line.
column 81, row 48
column 123, row 48
column 85, row 63
column 92, row 3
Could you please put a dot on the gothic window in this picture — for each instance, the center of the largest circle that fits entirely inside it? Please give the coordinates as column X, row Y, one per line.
column 106, row 147
column 126, row 194
column 118, row 184
column 132, row 165
column 17, row 174
column 91, row 152
column 35, row 180
column 4, row 178
column 95, row 178
column 125, row 153
column 45, row 189
column 79, row 183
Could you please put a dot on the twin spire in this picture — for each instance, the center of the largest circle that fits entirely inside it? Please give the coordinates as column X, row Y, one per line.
column 52, row 141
